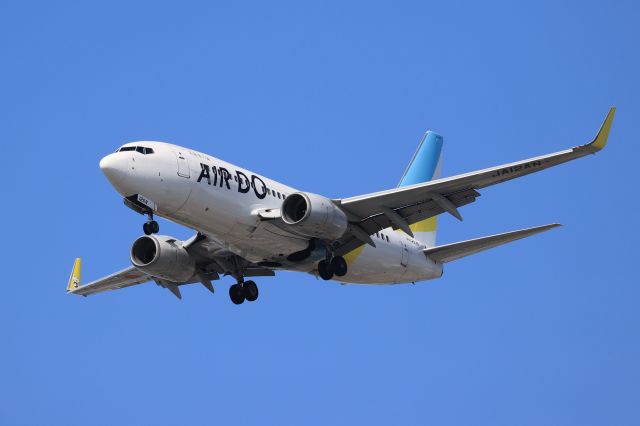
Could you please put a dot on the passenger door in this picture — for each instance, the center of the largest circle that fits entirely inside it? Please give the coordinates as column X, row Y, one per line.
column 183, row 165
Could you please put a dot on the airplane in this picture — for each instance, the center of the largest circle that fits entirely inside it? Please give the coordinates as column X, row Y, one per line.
column 248, row 225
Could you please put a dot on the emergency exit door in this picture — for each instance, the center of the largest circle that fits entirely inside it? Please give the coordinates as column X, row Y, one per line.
column 404, row 261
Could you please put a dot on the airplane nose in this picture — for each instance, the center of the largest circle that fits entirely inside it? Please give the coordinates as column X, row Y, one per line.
column 115, row 167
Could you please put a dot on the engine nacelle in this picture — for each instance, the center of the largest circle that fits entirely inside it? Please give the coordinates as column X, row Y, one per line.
column 162, row 257
column 312, row 215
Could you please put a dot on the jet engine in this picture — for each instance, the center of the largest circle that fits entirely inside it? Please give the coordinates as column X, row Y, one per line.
column 163, row 257
column 312, row 215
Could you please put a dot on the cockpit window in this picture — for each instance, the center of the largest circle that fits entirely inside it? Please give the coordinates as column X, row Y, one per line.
column 141, row 149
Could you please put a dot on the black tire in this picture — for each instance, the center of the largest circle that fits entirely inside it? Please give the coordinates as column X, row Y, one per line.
column 339, row 266
column 236, row 294
column 153, row 225
column 146, row 228
column 250, row 290
column 324, row 270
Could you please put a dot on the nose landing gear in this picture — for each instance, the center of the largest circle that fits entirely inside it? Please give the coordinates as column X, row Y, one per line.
column 141, row 204
column 151, row 226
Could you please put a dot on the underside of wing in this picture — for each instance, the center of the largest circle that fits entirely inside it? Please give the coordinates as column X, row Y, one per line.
column 210, row 262
column 124, row 278
column 409, row 214
column 400, row 207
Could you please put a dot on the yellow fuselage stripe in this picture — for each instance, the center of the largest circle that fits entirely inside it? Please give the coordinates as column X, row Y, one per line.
column 427, row 225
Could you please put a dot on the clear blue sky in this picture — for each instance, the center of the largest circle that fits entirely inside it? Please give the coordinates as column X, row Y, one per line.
column 330, row 97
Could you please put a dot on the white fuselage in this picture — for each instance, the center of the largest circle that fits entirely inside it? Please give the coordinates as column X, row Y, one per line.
column 221, row 201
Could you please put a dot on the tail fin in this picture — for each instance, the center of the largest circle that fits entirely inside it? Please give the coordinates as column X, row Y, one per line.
column 425, row 166
column 74, row 279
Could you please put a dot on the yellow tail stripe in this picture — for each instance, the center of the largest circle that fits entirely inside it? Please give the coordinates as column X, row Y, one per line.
column 353, row 254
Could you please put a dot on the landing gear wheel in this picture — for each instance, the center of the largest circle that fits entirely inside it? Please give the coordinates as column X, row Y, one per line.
column 250, row 290
column 236, row 294
column 324, row 270
column 150, row 227
column 339, row 266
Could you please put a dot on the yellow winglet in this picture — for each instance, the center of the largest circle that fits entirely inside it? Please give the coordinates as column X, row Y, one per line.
column 74, row 279
column 601, row 138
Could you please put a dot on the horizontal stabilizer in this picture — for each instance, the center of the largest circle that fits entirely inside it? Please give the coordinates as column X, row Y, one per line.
column 455, row 251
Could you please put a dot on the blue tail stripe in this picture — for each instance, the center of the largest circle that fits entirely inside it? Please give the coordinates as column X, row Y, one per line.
column 424, row 162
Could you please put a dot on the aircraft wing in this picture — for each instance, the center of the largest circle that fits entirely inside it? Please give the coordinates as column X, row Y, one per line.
column 210, row 260
column 125, row 278
column 400, row 207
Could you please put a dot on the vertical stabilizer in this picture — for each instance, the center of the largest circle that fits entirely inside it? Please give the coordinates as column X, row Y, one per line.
column 423, row 167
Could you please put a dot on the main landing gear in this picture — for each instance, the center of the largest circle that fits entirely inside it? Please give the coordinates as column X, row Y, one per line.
column 240, row 292
column 151, row 226
column 329, row 267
